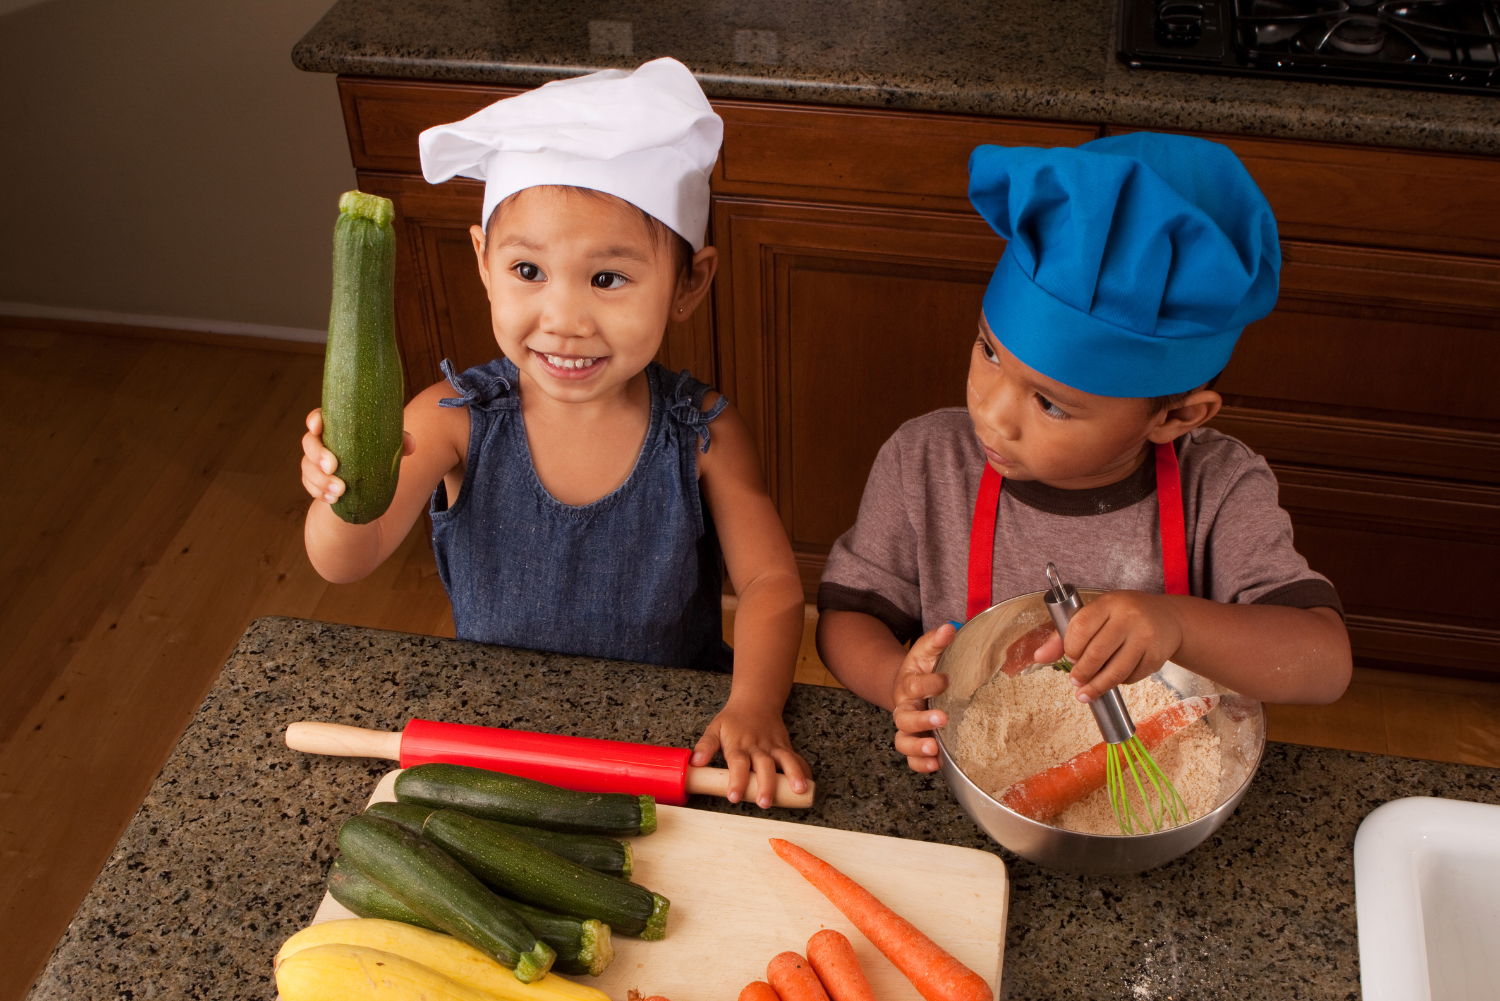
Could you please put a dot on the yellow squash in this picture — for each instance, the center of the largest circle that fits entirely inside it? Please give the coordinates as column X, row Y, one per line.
column 441, row 954
column 334, row 972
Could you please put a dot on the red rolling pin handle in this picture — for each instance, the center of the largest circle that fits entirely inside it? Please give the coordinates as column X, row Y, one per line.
column 580, row 763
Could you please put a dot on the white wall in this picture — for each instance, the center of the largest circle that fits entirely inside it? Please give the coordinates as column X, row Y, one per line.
column 164, row 158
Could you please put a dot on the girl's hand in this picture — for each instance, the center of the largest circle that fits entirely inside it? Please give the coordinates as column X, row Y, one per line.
column 318, row 464
column 915, row 684
column 1116, row 639
column 752, row 738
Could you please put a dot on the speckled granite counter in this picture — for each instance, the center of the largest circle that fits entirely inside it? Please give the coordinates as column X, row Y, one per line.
column 227, row 854
column 1027, row 58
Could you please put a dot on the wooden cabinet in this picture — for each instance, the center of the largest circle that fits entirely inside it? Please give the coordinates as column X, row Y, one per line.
column 851, row 278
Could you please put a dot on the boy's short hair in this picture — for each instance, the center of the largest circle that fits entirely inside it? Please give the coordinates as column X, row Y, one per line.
column 680, row 248
column 1156, row 404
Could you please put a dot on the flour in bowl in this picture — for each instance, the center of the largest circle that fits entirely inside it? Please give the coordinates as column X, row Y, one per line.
column 1016, row 726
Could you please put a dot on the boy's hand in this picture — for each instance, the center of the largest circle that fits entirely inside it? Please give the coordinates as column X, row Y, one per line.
column 915, row 684
column 1116, row 639
column 318, row 464
column 752, row 738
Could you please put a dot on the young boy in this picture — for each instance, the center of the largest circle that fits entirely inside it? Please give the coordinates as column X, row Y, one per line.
column 1133, row 262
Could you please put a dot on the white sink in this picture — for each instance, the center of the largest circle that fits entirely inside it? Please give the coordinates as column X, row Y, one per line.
column 1427, row 896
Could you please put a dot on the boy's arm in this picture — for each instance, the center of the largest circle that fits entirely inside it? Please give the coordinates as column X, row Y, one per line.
column 1269, row 652
column 866, row 657
column 863, row 653
column 767, row 624
column 435, row 439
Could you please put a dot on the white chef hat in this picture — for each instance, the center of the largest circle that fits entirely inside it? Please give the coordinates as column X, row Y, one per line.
column 648, row 137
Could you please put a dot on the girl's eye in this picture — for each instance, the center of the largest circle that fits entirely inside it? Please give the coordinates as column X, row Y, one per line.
column 608, row 280
column 1050, row 409
column 989, row 352
column 527, row 272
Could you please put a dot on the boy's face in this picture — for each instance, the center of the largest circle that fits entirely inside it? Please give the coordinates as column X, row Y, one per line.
column 580, row 290
column 1035, row 428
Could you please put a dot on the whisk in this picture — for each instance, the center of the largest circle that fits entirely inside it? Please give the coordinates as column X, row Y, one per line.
column 1124, row 754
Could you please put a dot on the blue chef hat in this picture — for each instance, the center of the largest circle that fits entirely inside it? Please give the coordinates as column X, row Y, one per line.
column 1133, row 262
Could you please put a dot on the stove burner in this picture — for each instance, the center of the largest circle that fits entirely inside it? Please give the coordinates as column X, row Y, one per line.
column 1358, row 35
column 1457, row 33
column 1431, row 44
column 1179, row 23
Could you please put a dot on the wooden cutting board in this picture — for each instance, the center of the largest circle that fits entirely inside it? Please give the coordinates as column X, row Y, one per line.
column 735, row 904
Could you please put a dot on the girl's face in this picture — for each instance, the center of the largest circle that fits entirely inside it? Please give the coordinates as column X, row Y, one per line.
column 580, row 290
column 1035, row 428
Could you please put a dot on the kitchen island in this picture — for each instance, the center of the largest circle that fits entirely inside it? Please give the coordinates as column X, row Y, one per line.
column 227, row 855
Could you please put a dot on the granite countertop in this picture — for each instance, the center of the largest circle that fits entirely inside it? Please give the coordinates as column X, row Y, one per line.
column 227, row 855
column 1039, row 59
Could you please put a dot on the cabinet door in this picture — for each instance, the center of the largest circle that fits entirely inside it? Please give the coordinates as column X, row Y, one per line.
column 1371, row 391
column 835, row 326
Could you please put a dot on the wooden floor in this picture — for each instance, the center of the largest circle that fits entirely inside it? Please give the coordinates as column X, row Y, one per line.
column 153, row 510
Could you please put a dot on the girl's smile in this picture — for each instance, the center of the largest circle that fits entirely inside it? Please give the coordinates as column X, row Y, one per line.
column 570, row 367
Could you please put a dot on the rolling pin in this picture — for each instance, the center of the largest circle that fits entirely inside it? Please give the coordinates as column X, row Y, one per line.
column 580, row 763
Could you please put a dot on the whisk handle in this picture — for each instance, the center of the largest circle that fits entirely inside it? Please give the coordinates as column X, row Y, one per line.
column 1062, row 612
column 1113, row 718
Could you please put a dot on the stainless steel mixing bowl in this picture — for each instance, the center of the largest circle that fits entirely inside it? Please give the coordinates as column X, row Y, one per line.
column 972, row 659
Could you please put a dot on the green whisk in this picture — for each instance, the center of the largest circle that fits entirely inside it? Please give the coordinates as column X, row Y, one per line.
column 1124, row 754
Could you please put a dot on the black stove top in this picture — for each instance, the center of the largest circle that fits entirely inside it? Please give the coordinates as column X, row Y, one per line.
column 1427, row 44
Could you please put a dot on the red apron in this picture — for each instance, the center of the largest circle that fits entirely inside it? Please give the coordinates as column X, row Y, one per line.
column 1174, row 563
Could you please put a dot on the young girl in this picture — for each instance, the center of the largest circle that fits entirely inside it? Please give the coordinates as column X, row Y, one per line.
column 581, row 495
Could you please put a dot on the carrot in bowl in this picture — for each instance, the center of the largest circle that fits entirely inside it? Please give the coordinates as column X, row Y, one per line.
column 832, row 957
column 1018, row 655
column 1052, row 790
column 794, row 979
column 935, row 974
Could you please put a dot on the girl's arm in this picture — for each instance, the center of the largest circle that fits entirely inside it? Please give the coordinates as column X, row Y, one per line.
column 768, row 623
column 436, row 441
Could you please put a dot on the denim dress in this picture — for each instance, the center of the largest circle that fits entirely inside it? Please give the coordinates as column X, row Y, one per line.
column 636, row 575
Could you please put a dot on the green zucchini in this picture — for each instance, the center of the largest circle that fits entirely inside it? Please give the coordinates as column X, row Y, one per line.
column 538, row 877
column 582, row 946
column 408, row 815
column 424, row 878
column 367, row 899
column 514, row 800
column 363, row 387
column 593, row 851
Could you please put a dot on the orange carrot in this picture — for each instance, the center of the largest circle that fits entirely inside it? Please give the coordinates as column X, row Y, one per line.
column 1018, row 655
column 936, row 975
column 759, row 990
column 794, row 979
column 1052, row 790
column 832, row 956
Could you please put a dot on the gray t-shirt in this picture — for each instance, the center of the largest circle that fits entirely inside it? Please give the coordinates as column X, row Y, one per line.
column 905, row 561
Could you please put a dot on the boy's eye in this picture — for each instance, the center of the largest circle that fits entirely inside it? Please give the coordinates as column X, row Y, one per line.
column 1049, row 408
column 608, row 280
column 989, row 352
column 527, row 272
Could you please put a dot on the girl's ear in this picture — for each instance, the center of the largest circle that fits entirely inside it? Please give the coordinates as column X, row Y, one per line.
column 1197, row 410
column 693, row 284
column 476, row 233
